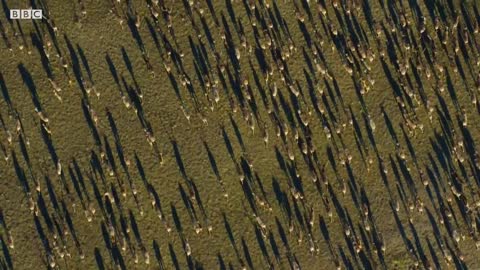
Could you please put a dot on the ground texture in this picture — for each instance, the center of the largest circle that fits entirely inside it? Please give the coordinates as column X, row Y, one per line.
column 231, row 134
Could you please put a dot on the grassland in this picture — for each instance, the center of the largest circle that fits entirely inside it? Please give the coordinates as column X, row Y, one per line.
column 202, row 152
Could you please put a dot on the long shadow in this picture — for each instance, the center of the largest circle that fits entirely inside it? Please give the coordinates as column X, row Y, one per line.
column 324, row 229
column 393, row 83
column 97, row 166
column 5, row 38
column 41, row 233
column 128, row 63
column 200, row 60
column 356, row 126
column 6, row 11
column 109, row 154
column 231, row 13
column 84, row 60
column 188, row 204
column 282, row 234
column 221, row 262
column 365, row 240
column 235, row 86
column 118, row 258
column 407, row 176
column 296, row 181
column 228, row 228
column 28, row 80
column 338, row 206
column 174, row 84
column 43, row 57
column 369, row 129
column 208, row 33
column 246, row 253
column 390, row 128
column 401, row 229
column 20, row 173
column 261, row 60
column 158, row 254
column 196, row 193
column 106, row 237
column 90, row 122
column 51, row 194
column 274, row 246
column 435, row 175
column 345, row 259
column 6, row 253
column 211, row 158
column 331, row 158
column 153, row 34
column 352, row 180
column 306, row 34
column 134, row 225
column 281, row 161
column 459, row 264
column 237, row 133
column 441, row 150
column 75, row 65
column 410, row 147
column 435, row 228
column 113, row 126
column 433, row 254
column 324, row 99
column 123, row 162
column 451, row 89
column 365, row 261
column 418, row 244
column 6, row 95
column 260, row 89
column 176, row 218
column 112, row 69
column 97, row 194
column 469, row 145
column 99, row 259
column 445, row 122
column 262, row 188
column 338, row 93
column 228, row 143
column 178, row 158
column 48, row 141
column 286, row 108
column 261, row 244
column 109, row 211
column 25, row 155
column 246, row 168
column 173, row 256
column 68, row 219
column 156, row 197
column 140, row 169
column 135, row 33
column 133, row 94
column 281, row 20
column 116, row 197
column 125, row 229
column 248, row 192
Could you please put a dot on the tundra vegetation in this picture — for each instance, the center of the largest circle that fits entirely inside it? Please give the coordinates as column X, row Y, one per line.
column 240, row 134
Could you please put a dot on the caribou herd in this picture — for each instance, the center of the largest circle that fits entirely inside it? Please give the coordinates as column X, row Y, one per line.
column 300, row 134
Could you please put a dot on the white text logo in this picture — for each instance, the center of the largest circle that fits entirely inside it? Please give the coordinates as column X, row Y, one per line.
column 34, row 14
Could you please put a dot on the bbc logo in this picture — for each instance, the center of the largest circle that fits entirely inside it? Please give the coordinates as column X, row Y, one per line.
column 34, row 14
